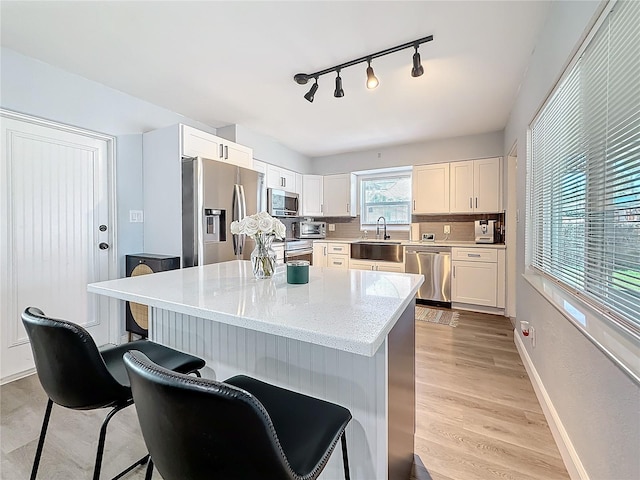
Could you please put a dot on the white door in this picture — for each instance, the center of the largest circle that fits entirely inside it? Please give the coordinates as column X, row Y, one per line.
column 57, row 231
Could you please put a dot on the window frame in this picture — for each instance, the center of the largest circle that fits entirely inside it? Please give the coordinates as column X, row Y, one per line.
column 382, row 175
column 609, row 329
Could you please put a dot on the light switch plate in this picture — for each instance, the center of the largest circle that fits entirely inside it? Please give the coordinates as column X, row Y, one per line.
column 332, row 227
column 428, row 237
column 136, row 216
column 447, row 229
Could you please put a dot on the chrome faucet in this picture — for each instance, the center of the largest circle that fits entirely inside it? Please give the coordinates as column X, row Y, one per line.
column 385, row 236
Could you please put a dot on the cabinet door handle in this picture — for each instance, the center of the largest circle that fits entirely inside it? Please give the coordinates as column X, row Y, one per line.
column 470, row 202
column 347, row 208
column 476, row 202
column 221, row 151
column 226, row 152
column 322, row 208
column 325, row 251
column 454, row 271
column 475, row 255
column 414, row 205
column 284, row 181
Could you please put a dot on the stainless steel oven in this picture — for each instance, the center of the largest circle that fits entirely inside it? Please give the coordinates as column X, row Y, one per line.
column 298, row 250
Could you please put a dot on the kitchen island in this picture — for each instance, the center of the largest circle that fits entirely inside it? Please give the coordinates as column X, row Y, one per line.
column 347, row 336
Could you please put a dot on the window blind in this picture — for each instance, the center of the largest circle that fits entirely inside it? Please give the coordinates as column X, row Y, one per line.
column 584, row 173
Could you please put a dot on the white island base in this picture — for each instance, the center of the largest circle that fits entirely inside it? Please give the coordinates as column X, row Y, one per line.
column 347, row 337
column 381, row 404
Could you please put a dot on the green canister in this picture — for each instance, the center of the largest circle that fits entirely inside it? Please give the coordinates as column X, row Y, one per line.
column 298, row 271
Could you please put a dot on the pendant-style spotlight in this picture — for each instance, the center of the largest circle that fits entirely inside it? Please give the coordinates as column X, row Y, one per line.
column 338, row 91
column 417, row 69
column 314, row 88
column 372, row 80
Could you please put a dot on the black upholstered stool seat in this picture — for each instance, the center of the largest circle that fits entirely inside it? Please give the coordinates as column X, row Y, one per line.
column 76, row 375
column 167, row 357
column 308, row 428
column 198, row 429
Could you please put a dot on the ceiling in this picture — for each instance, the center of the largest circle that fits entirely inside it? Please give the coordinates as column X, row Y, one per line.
column 233, row 62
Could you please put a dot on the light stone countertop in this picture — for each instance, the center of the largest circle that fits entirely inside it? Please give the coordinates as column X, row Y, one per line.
column 349, row 310
column 437, row 243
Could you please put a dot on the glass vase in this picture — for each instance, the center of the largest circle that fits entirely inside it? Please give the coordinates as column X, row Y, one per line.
column 263, row 257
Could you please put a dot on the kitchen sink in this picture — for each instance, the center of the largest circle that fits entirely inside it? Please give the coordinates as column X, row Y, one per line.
column 377, row 250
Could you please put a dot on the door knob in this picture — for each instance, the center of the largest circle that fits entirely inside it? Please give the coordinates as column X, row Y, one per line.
column 103, row 246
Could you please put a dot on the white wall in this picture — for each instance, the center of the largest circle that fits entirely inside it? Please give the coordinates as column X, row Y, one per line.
column 434, row 151
column 598, row 404
column 36, row 88
column 267, row 149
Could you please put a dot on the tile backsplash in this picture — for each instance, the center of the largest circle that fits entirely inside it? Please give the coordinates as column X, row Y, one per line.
column 462, row 226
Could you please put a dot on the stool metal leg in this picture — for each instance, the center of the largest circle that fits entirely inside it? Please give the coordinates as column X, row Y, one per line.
column 149, row 473
column 345, row 457
column 43, row 433
column 102, row 438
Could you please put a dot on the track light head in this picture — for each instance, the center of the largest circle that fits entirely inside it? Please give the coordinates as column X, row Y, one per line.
column 372, row 80
column 339, row 92
column 417, row 69
column 309, row 95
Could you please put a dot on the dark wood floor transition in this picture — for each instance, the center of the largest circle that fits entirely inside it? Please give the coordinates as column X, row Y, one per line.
column 477, row 416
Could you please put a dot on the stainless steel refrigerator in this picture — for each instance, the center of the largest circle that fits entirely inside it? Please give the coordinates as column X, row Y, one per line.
column 213, row 195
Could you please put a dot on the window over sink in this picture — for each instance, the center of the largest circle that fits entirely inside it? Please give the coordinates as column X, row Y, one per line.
column 385, row 195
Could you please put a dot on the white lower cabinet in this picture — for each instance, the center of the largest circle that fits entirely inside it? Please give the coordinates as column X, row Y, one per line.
column 331, row 255
column 319, row 254
column 477, row 276
column 376, row 265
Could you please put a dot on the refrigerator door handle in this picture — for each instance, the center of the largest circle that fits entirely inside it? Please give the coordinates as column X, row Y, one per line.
column 238, row 212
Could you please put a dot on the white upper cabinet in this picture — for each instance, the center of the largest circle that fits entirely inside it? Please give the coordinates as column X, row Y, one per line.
column 281, row 178
column 487, row 185
column 430, row 188
column 312, row 195
column 299, row 186
column 476, row 186
column 196, row 143
column 339, row 195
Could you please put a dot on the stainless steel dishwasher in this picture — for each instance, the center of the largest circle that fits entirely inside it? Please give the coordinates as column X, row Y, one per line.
column 435, row 264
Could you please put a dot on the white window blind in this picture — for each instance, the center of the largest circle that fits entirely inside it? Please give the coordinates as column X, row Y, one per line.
column 584, row 173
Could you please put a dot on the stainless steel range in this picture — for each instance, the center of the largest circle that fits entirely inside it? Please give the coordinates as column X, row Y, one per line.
column 298, row 250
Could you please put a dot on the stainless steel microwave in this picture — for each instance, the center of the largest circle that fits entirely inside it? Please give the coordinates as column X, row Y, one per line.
column 281, row 203
column 309, row 229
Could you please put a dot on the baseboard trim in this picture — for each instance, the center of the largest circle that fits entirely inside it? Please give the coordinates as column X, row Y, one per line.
column 568, row 453
column 17, row 376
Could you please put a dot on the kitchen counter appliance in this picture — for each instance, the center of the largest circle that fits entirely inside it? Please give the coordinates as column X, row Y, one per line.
column 309, row 229
column 435, row 264
column 486, row 231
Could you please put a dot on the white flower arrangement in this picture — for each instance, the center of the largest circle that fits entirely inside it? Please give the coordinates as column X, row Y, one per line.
column 259, row 224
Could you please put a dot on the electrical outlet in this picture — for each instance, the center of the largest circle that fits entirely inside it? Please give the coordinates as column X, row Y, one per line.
column 447, row 229
column 332, row 227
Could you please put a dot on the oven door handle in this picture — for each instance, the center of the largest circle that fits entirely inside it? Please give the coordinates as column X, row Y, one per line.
column 297, row 253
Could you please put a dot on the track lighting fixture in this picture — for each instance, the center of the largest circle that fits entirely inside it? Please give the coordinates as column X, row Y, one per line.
column 312, row 91
column 417, row 69
column 372, row 81
column 338, row 92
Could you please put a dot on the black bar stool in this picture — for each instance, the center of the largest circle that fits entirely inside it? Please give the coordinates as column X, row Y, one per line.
column 76, row 375
column 197, row 429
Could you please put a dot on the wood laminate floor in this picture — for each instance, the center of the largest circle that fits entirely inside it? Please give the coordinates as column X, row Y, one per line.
column 477, row 416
